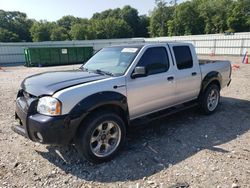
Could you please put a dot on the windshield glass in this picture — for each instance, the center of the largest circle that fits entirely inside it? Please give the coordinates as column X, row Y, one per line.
column 113, row 60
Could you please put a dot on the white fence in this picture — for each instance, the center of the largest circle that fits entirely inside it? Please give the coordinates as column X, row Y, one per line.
column 217, row 44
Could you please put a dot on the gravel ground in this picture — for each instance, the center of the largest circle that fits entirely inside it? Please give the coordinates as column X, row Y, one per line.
column 187, row 148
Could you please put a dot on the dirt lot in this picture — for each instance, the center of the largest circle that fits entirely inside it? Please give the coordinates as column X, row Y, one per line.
column 186, row 148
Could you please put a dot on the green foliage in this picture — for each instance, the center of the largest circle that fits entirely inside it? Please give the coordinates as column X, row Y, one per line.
column 159, row 19
column 187, row 18
column 16, row 23
column 200, row 17
column 113, row 13
column 214, row 14
column 239, row 16
column 40, row 31
column 79, row 32
column 130, row 15
column 110, row 28
column 68, row 21
column 8, row 36
column 143, row 25
column 59, row 34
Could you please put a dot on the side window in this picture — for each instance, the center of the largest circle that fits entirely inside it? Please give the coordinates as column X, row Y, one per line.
column 183, row 57
column 155, row 60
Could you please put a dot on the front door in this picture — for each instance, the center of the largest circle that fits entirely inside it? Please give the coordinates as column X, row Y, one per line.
column 156, row 91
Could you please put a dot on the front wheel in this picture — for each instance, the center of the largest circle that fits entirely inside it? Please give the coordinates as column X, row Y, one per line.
column 210, row 99
column 101, row 137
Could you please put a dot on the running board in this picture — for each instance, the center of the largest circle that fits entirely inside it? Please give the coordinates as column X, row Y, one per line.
column 163, row 113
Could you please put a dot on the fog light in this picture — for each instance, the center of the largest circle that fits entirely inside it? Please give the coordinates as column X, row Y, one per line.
column 39, row 136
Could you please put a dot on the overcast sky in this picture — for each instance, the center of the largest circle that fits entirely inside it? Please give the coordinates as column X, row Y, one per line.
column 52, row 10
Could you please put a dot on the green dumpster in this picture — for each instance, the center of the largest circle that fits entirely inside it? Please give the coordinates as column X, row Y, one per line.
column 64, row 55
column 55, row 55
column 51, row 56
column 45, row 59
column 72, row 55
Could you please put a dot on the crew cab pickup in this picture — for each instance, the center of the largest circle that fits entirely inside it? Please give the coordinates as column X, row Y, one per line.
column 92, row 107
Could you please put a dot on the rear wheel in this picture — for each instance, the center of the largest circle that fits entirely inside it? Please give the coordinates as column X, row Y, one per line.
column 101, row 137
column 210, row 99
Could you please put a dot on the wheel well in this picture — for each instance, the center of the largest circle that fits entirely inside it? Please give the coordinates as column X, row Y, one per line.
column 204, row 87
column 212, row 77
column 216, row 82
column 111, row 108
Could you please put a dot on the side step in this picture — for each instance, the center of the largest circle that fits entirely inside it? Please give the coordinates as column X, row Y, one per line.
column 163, row 113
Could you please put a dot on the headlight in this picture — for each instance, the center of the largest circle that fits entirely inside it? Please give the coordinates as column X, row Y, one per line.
column 49, row 106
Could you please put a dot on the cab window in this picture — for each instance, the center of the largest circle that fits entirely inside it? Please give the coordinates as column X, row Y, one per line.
column 183, row 57
column 155, row 60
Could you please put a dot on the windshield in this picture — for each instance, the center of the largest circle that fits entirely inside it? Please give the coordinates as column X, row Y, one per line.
column 113, row 60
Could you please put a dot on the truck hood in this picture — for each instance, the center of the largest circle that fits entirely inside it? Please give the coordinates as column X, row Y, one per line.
column 50, row 82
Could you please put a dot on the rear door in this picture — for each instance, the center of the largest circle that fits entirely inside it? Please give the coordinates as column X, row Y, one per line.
column 188, row 77
column 155, row 91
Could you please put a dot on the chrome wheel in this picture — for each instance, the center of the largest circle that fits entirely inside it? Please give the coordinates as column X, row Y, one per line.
column 213, row 100
column 105, row 139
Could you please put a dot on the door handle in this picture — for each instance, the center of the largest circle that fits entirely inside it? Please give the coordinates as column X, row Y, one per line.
column 194, row 73
column 171, row 78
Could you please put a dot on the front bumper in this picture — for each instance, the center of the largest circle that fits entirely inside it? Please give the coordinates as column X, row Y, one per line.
column 58, row 130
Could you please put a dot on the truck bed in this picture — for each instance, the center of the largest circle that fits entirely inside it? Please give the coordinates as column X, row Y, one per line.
column 223, row 67
column 206, row 61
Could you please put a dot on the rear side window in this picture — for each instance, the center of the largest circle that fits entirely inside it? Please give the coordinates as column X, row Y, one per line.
column 155, row 60
column 183, row 57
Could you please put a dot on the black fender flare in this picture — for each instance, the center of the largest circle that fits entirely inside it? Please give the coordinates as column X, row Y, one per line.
column 100, row 99
column 210, row 77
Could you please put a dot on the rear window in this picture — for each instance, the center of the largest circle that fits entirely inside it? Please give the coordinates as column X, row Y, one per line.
column 183, row 57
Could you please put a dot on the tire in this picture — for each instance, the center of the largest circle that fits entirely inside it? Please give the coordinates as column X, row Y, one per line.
column 209, row 100
column 101, row 137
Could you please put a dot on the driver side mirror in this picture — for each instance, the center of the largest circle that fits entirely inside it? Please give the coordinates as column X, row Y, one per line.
column 139, row 72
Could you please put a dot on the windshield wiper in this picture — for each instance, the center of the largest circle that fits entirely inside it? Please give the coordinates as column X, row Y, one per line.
column 83, row 68
column 98, row 71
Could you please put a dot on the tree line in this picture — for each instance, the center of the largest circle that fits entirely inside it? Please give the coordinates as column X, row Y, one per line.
column 187, row 18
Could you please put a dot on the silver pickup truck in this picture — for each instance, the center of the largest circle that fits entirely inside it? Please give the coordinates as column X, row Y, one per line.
column 92, row 107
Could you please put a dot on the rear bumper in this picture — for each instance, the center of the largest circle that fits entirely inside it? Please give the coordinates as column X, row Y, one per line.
column 58, row 130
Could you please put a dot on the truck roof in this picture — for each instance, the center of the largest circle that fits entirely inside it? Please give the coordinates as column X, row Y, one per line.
column 140, row 45
column 127, row 46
